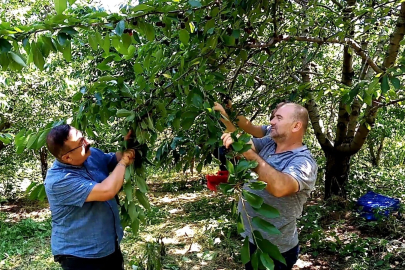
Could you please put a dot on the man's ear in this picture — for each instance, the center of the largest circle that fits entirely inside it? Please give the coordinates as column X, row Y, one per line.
column 65, row 158
column 297, row 126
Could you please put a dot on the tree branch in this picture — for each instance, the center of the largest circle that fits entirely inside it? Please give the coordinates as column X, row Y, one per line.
column 389, row 103
column 395, row 39
column 337, row 3
column 347, row 41
column 313, row 113
column 371, row 111
column 354, row 115
column 343, row 121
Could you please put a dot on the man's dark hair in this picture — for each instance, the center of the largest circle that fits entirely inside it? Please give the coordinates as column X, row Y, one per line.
column 55, row 141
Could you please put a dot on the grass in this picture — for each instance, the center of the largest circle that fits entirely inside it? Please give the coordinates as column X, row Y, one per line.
column 25, row 242
column 190, row 227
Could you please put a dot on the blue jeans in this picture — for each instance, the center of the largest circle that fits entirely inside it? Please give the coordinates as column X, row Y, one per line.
column 290, row 256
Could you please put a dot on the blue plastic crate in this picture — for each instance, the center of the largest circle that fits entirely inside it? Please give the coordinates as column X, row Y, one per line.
column 373, row 205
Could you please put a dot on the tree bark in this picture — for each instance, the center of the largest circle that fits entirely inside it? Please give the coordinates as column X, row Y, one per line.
column 336, row 174
column 43, row 154
column 376, row 157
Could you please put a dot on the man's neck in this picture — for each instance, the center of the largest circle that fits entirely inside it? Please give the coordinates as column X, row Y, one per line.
column 61, row 161
column 287, row 146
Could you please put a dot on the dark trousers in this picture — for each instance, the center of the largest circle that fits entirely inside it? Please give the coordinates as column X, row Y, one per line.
column 290, row 256
column 114, row 261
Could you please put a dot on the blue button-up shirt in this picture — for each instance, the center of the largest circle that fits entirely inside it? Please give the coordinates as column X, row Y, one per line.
column 79, row 228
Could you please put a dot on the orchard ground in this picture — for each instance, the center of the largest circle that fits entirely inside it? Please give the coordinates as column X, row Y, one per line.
column 191, row 227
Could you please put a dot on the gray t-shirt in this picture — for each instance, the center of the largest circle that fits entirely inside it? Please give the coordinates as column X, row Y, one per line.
column 298, row 163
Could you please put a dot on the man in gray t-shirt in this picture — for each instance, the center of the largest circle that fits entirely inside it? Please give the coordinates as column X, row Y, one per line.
column 289, row 170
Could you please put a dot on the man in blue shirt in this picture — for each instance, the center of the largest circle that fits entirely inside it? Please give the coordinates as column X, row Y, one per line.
column 81, row 186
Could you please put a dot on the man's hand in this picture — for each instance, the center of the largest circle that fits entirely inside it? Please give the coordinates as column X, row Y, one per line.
column 128, row 136
column 128, row 157
column 227, row 139
column 218, row 107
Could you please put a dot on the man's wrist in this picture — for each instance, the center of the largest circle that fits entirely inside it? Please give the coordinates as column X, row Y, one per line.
column 121, row 164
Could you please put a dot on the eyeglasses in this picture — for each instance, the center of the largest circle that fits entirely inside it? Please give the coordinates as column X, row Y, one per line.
column 81, row 145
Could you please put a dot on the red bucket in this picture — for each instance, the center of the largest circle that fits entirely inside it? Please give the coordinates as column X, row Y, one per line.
column 214, row 180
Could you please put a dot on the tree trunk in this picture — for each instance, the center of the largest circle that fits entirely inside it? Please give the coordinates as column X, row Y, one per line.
column 375, row 157
column 336, row 174
column 43, row 153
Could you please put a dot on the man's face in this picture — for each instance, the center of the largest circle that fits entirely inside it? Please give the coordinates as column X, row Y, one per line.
column 282, row 123
column 79, row 148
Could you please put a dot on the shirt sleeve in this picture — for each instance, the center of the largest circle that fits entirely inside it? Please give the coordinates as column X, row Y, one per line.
column 72, row 190
column 259, row 143
column 304, row 170
column 111, row 161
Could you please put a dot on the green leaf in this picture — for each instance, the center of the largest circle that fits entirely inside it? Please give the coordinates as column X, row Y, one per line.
column 267, row 211
column 42, row 139
column 384, row 84
column 71, row 2
column 67, row 51
column 135, row 226
column 107, row 44
column 254, row 259
column 4, row 61
column 230, row 167
column 38, row 58
column 253, row 199
column 184, row 36
column 239, row 224
column 31, row 141
column 124, row 113
column 245, row 252
column 226, row 188
column 138, row 68
column 176, row 123
column 242, row 165
column 76, row 97
column 244, row 138
column 149, row 32
column 128, row 191
column 127, row 175
column 60, row 6
column 126, row 41
column 190, row 114
column 68, row 30
column 258, row 185
column 194, row 3
column 267, row 261
column 244, row 55
column 62, row 37
column 133, row 214
column 141, row 183
column 210, row 24
column 186, row 123
column 237, row 146
column 48, row 41
column 395, row 82
column 264, row 225
column 5, row 46
column 36, row 191
column 271, row 249
column 93, row 42
column 142, row 199
column 140, row 7
column 119, row 29
column 16, row 58
column 33, row 184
